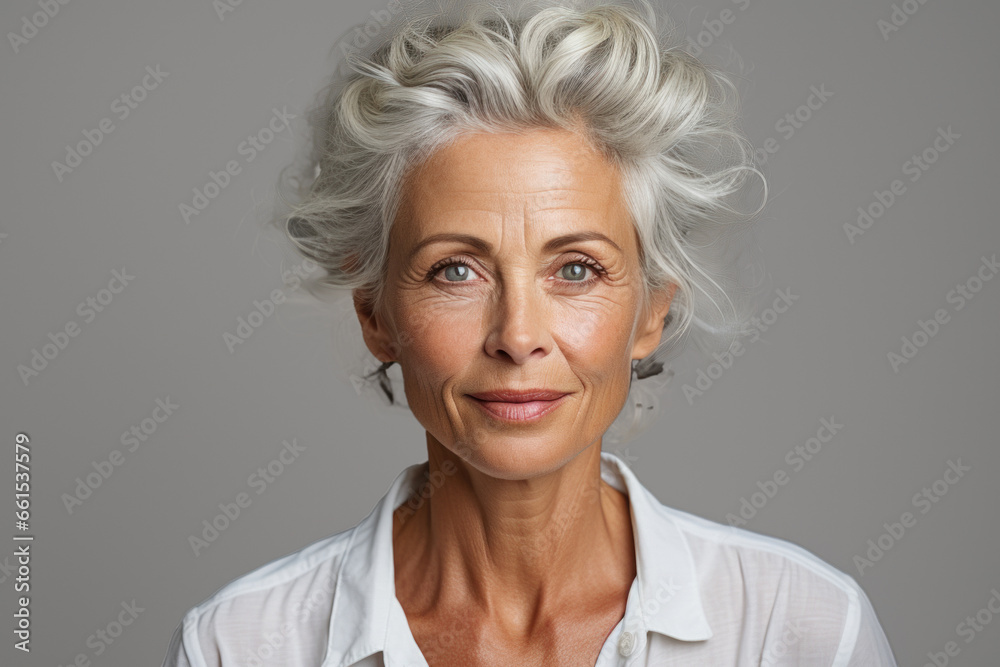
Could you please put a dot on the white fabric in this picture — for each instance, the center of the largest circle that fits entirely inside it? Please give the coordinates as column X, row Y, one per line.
column 704, row 594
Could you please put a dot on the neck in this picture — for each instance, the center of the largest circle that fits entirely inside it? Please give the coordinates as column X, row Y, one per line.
column 512, row 549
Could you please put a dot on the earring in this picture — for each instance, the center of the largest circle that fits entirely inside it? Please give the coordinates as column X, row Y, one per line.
column 643, row 368
column 383, row 379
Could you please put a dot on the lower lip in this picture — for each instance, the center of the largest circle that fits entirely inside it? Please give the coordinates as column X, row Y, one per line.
column 519, row 412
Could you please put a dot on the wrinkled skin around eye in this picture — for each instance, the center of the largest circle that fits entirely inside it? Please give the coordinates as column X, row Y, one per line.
column 463, row 317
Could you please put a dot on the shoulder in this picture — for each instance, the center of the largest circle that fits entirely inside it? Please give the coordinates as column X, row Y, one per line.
column 792, row 606
column 767, row 564
column 280, row 611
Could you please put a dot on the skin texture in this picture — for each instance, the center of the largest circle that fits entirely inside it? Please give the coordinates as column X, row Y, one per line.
column 518, row 553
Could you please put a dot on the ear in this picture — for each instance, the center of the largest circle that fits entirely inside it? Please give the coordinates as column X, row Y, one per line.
column 650, row 327
column 373, row 326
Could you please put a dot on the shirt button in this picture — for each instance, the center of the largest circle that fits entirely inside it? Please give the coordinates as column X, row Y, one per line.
column 626, row 644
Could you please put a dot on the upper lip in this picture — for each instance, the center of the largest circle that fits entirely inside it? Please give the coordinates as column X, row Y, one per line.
column 519, row 395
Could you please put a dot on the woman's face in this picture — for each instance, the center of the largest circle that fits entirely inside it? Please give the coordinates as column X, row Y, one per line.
column 513, row 265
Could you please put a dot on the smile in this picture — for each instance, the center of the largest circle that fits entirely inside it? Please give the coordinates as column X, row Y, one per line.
column 519, row 411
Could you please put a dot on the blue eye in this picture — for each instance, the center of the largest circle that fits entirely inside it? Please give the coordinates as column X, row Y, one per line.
column 459, row 271
column 577, row 273
column 455, row 270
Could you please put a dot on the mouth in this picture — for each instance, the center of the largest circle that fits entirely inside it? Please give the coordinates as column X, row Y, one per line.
column 519, row 406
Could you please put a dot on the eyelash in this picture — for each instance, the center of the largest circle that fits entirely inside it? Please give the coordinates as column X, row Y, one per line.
column 581, row 259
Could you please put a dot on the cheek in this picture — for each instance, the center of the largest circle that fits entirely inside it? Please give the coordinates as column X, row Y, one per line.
column 437, row 339
column 593, row 340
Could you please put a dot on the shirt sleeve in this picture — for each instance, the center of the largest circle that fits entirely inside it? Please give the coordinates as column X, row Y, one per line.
column 871, row 647
column 177, row 651
column 826, row 621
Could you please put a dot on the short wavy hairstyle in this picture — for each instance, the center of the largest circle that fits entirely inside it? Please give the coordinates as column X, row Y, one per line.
column 609, row 72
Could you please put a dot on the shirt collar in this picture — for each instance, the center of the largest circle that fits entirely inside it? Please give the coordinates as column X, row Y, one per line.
column 667, row 581
column 364, row 603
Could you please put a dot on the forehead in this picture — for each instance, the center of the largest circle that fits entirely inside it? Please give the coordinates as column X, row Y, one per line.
column 544, row 178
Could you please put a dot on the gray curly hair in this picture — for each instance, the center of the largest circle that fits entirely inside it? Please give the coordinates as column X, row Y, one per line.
column 668, row 121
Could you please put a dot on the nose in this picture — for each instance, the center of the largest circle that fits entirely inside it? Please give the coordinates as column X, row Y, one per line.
column 519, row 324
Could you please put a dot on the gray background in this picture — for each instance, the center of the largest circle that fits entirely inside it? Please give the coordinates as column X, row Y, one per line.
column 162, row 336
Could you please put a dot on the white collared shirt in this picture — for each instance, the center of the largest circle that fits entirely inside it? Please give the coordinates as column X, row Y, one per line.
column 704, row 594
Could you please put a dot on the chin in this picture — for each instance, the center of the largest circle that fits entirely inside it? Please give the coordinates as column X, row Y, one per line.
column 512, row 456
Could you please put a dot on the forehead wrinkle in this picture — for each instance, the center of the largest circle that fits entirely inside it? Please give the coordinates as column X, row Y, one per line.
column 569, row 198
column 491, row 192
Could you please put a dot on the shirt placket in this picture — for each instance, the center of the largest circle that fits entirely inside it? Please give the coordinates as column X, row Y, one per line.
column 626, row 644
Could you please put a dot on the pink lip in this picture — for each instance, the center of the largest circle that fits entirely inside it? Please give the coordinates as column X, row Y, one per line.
column 519, row 395
column 519, row 406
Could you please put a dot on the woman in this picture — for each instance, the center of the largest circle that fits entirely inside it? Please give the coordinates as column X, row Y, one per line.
column 524, row 205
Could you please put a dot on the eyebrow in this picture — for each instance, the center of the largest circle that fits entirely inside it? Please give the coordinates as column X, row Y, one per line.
column 486, row 248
